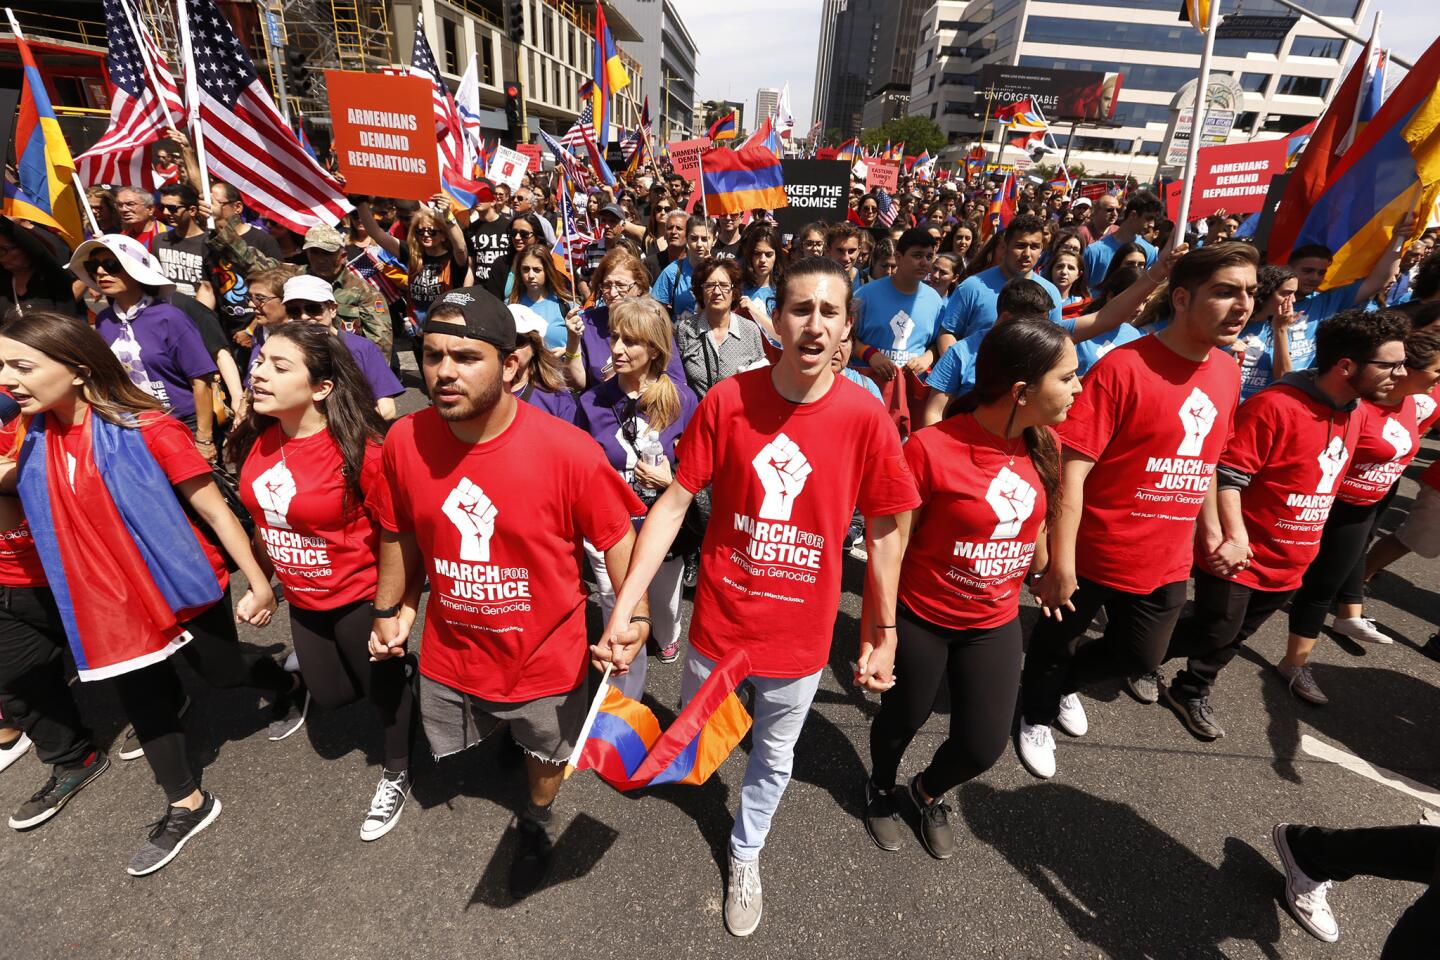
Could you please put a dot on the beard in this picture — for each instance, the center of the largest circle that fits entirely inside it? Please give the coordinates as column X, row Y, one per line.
column 469, row 407
column 1372, row 392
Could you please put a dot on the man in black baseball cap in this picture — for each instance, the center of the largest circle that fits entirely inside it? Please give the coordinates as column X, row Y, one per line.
column 491, row 499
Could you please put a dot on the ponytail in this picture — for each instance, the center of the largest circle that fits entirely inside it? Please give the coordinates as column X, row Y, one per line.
column 660, row 403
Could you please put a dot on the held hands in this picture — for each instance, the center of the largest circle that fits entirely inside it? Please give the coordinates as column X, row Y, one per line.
column 875, row 670
column 388, row 635
column 257, row 606
column 619, row 646
column 1054, row 589
column 1229, row 558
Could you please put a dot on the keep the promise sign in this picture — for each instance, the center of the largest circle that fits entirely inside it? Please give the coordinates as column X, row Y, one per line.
column 816, row 189
column 384, row 134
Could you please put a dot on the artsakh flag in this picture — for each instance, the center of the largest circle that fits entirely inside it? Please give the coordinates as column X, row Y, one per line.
column 626, row 748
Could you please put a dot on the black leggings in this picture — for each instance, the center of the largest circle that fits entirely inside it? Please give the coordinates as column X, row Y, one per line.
column 333, row 647
column 982, row 669
column 215, row 653
column 1409, row 852
column 34, row 692
column 1134, row 643
column 1338, row 570
column 1226, row 613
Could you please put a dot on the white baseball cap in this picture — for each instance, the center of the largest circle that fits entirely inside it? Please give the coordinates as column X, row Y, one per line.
column 138, row 262
column 527, row 320
column 307, row 287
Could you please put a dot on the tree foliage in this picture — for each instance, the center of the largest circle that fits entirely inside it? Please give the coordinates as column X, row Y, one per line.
column 919, row 134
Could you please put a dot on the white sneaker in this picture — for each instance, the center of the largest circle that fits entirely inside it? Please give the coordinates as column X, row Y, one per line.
column 1036, row 747
column 1072, row 717
column 14, row 751
column 1305, row 897
column 1362, row 629
column 744, row 902
column 385, row 806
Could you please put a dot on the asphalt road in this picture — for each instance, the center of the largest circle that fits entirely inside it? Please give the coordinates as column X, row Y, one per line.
column 1148, row 843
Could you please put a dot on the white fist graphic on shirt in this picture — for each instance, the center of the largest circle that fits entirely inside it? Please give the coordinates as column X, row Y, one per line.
column 1013, row 500
column 782, row 470
column 1397, row 436
column 1198, row 415
column 474, row 516
column 901, row 326
column 274, row 489
column 1332, row 464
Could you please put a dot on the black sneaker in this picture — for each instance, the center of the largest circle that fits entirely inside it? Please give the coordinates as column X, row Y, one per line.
column 532, row 859
column 1146, row 687
column 62, row 785
column 1197, row 715
column 692, row 570
column 287, row 713
column 170, row 833
column 386, row 805
column 882, row 817
column 935, row 831
column 130, row 748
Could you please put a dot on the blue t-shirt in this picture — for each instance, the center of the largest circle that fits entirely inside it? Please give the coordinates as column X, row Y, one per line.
column 554, row 314
column 972, row 307
column 955, row 372
column 1099, row 254
column 1322, row 305
column 765, row 295
column 1257, row 370
column 899, row 324
column 673, row 287
column 1090, row 351
column 862, row 381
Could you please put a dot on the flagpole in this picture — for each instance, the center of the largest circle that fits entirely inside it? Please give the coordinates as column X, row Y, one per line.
column 132, row 18
column 77, row 183
column 192, row 104
column 567, row 220
column 1197, row 125
column 985, row 124
column 600, row 692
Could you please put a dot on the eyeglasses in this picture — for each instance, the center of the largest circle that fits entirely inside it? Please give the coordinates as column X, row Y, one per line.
column 716, row 287
column 259, row 300
column 109, row 264
column 611, row 287
column 663, row 209
column 1395, row 368
column 426, row 232
column 304, row 308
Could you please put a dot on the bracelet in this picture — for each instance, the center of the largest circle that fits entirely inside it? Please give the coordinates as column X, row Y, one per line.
column 383, row 613
column 866, row 354
column 1150, row 278
column 204, row 443
column 883, row 626
column 641, row 620
column 571, row 356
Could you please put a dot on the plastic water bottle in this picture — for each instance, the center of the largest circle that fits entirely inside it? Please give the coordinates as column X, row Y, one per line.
column 650, row 452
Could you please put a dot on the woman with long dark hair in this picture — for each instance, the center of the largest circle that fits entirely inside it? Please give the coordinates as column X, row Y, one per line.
column 989, row 477
column 538, row 284
column 110, row 485
column 1265, row 341
column 30, row 277
column 308, row 454
column 759, row 271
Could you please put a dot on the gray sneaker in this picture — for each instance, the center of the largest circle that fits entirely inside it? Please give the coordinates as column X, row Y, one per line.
column 743, row 900
column 1197, row 715
column 1146, row 687
column 170, row 833
column 58, row 790
column 1302, row 683
column 882, row 818
column 936, row 833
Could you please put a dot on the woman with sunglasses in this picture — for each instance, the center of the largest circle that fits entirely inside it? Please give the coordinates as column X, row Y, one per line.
column 308, row 454
column 538, row 284
column 158, row 346
column 308, row 299
column 636, row 416
column 586, row 359
column 525, row 231
column 434, row 252
column 111, row 487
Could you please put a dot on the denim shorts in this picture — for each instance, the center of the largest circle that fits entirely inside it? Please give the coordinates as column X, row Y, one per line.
column 545, row 728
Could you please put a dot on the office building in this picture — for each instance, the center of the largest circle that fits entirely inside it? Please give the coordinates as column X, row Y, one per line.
column 1286, row 82
column 668, row 55
column 825, row 51
column 767, row 99
column 888, row 96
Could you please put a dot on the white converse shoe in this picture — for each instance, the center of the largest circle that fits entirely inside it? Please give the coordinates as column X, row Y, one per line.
column 1305, row 896
column 1072, row 719
column 1036, row 748
column 1361, row 629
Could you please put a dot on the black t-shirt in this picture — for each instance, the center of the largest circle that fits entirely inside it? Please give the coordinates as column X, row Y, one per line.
column 232, row 289
column 182, row 260
column 725, row 251
column 435, row 276
column 489, row 245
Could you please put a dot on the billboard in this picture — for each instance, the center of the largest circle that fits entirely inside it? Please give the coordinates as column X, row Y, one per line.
column 1060, row 94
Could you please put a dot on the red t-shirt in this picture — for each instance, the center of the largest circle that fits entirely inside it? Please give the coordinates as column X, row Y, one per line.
column 982, row 507
column 506, row 618
column 19, row 563
column 1295, row 450
column 1154, row 423
column 1387, row 439
column 321, row 541
column 170, row 443
column 785, row 480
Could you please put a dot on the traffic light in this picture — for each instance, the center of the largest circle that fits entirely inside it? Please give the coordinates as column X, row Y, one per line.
column 512, row 111
column 298, row 78
column 515, row 20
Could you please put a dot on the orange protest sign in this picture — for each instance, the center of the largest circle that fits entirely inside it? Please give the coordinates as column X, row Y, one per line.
column 384, row 134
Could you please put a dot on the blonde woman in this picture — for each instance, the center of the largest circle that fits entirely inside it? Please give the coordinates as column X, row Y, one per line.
column 434, row 252
column 637, row 416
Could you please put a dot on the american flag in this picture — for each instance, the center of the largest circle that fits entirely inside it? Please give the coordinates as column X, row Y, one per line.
column 449, row 127
column 566, row 160
column 571, row 240
column 246, row 142
column 138, row 117
column 888, row 208
column 585, row 123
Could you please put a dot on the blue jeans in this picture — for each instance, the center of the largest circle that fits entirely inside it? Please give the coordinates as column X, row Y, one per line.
column 779, row 713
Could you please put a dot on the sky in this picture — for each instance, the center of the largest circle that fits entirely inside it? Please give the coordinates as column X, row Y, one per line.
column 748, row 44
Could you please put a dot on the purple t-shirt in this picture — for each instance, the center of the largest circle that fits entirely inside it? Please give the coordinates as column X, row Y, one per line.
column 601, row 412
column 162, row 352
column 595, row 348
column 559, row 403
column 368, row 358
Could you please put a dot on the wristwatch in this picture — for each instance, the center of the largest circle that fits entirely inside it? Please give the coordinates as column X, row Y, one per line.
column 385, row 613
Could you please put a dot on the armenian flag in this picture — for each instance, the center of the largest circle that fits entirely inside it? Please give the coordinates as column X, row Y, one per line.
column 765, row 136
column 746, row 178
column 626, row 748
column 44, row 191
column 726, row 128
column 610, row 77
column 1392, row 169
column 849, row 150
column 1002, row 208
